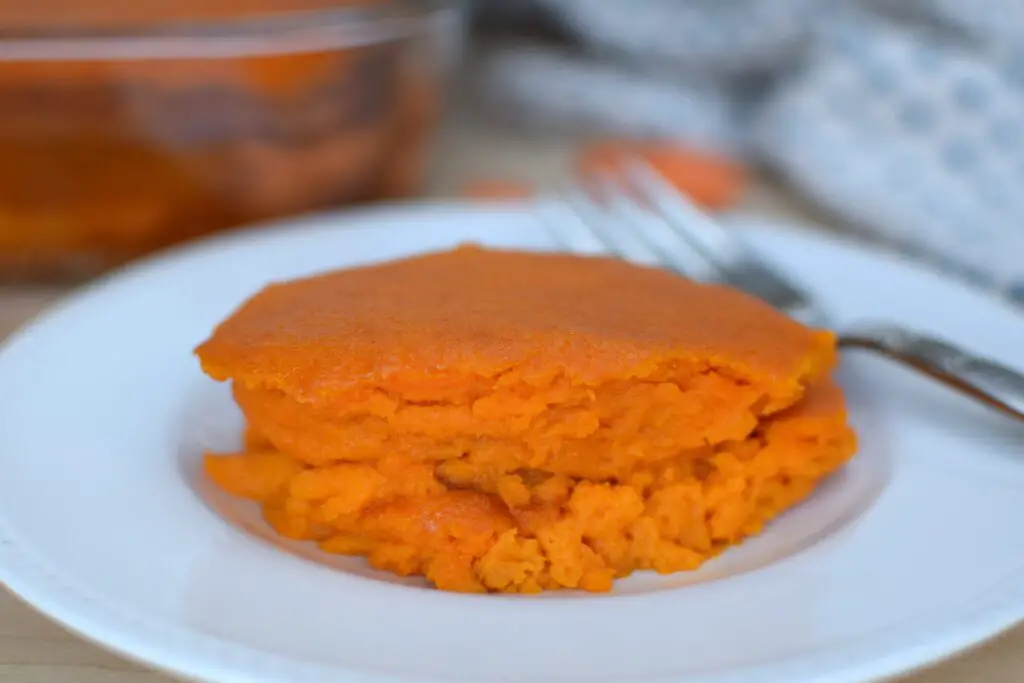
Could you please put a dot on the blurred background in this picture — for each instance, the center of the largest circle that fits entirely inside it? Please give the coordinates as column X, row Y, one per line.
column 126, row 127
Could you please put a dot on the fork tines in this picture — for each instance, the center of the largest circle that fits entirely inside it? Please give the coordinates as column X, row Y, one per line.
column 634, row 213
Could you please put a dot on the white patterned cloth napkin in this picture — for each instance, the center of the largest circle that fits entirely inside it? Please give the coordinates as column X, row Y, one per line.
column 905, row 117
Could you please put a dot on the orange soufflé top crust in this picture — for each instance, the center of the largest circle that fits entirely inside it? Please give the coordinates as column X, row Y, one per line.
column 514, row 421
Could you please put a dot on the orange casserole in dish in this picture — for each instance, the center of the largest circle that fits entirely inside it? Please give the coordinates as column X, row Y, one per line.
column 514, row 422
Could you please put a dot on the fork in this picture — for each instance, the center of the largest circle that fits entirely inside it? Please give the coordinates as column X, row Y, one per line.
column 637, row 197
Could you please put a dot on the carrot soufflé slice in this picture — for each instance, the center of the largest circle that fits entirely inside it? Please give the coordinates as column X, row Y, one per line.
column 514, row 422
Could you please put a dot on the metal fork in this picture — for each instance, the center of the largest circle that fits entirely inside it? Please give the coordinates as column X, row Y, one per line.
column 634, row 196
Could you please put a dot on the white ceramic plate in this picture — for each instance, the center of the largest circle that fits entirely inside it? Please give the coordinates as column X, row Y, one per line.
column 913, row 552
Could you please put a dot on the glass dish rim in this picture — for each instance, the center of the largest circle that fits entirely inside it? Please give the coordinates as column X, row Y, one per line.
column 293, row 32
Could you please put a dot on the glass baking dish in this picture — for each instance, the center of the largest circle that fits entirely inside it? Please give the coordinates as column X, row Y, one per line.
column 150, row 124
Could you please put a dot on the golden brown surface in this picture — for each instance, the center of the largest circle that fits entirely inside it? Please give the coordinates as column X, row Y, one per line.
column 449, row 320
column 514, row 422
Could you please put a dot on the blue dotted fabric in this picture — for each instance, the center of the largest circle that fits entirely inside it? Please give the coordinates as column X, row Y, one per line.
column 714, row 37
column 906, row 118
column 911, row 136
column 572, row 93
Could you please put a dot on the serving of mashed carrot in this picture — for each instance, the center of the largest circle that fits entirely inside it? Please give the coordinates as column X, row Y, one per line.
column 501, row 421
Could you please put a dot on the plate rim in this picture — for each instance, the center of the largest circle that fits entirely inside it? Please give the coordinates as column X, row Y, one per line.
column 117, row 633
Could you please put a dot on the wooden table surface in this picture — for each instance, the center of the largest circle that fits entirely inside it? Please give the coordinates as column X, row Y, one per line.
column 35, row 650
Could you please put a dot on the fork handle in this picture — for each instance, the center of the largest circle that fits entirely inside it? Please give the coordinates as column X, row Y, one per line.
column 992, row 383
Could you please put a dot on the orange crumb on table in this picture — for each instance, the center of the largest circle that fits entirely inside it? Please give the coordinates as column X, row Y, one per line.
column 516, row 422
column 498, row 189
column 711, row 180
